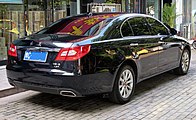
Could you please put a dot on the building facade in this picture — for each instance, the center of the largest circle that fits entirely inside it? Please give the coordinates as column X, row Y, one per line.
column 19, row 18
column 186, row 18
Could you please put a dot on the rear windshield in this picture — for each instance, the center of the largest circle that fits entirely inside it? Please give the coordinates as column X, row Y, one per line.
column 87, row 26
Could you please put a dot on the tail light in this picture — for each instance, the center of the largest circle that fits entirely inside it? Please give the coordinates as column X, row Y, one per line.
column 12, row 50
column 73, row 53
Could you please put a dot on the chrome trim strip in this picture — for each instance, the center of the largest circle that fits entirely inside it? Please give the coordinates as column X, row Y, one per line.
column 131, row 38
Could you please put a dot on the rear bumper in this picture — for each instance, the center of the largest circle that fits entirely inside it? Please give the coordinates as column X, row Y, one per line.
column 42, row 88
column 52, row 83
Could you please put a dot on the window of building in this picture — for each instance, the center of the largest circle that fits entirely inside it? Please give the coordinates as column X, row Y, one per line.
column 24, row 17
column 11, row 26
column 153, row 8
column 41, row 13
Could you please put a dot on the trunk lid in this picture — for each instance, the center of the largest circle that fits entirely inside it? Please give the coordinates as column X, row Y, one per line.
column 47, row 40
column 40, row 51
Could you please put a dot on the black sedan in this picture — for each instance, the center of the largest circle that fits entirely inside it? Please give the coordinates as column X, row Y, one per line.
column 103, row 53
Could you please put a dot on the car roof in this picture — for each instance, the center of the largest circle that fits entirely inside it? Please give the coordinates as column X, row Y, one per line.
column 119, row 14
column 116, row 15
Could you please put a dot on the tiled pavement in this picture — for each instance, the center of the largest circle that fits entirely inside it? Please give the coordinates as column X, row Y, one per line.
column 166, row 96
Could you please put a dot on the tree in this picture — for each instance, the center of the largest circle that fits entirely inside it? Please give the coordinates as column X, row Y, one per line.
column 169, row 14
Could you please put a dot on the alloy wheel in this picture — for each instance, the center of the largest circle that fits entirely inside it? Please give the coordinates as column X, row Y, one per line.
column 126, row 83
column 194, row 44
column 185, row 61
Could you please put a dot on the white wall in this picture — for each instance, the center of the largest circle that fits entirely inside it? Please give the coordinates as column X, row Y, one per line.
column 194, row 18
column 194, row 4
column 179, row 12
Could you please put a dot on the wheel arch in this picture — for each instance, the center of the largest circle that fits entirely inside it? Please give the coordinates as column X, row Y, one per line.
column 131, row 63
column 188, row 48
column 179, row 70
column 114, row 97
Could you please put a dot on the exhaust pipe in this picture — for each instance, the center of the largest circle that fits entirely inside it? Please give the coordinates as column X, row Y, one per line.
column 67, row 93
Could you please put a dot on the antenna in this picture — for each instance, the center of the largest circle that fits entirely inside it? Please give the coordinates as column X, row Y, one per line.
column 90, row 14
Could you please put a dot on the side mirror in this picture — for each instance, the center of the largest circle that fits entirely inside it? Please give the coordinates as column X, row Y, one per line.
column 173, row 31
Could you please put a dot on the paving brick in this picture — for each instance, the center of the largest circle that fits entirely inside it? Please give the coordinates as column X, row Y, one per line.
column 164, row 97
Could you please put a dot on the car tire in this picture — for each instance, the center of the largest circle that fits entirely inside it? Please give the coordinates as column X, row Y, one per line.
column 184, row 63
column 124, row 85
column 194, row 44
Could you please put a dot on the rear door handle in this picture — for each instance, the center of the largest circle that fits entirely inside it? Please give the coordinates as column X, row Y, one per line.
column 161, row 42
column 134, row 44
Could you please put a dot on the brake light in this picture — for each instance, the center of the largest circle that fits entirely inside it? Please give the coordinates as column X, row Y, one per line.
column 12, row 50
column 74, row 53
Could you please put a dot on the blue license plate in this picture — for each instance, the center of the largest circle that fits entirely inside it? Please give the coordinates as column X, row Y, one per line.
column 35, row 56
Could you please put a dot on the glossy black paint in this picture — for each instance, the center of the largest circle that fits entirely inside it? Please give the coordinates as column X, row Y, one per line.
column 149, row 55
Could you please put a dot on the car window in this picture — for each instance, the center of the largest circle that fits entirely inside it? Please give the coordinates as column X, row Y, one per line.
column 96, row 29
column 139, row 26
column 93, row 29
column 126, row 29
column 56, row 26
column 84, row 25
column 156, row 27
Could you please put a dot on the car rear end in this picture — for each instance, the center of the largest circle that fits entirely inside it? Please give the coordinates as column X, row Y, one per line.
column 44, row 65
column 51, row 63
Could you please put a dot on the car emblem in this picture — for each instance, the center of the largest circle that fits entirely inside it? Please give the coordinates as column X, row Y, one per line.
column 53, row 37
column 40, row 44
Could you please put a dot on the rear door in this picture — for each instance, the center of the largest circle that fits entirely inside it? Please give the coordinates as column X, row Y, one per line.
column 144, row 46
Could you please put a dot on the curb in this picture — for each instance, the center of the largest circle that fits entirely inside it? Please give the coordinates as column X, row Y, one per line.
column 11, row 91
column 2, row 67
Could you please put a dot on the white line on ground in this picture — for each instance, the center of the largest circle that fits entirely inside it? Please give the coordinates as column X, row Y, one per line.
column 2, row 67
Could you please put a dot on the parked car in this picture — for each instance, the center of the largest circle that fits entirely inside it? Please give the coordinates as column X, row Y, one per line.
column 193, row 40
column 99, row 53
